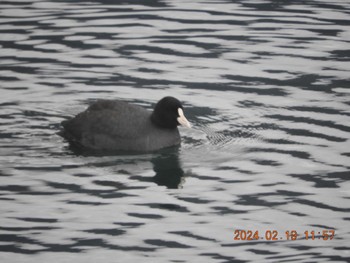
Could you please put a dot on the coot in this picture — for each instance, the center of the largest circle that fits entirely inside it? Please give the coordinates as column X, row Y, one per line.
column 114, row 125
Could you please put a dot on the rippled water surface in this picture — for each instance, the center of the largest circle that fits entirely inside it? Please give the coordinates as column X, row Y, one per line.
column 266, row 87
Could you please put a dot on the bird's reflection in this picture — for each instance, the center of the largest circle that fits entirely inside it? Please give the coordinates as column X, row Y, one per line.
column 166, row 164
column 168, row 169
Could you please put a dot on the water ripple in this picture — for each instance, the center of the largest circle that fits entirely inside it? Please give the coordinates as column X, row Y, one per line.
column 265, row 85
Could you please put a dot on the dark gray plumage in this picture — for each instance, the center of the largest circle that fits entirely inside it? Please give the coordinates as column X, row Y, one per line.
column 120, row 126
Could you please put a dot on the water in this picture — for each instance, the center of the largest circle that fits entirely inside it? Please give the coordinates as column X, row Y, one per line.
column 266, row 87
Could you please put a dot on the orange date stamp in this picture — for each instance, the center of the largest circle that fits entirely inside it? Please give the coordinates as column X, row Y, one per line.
column 274, row 235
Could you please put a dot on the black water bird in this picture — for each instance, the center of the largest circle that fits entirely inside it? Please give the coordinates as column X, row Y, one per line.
column 114, row 125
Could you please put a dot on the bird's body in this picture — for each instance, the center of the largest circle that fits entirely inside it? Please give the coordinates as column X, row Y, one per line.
column 119, row 126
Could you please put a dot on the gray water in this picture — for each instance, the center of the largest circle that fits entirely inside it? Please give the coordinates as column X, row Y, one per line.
column 265, row 85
